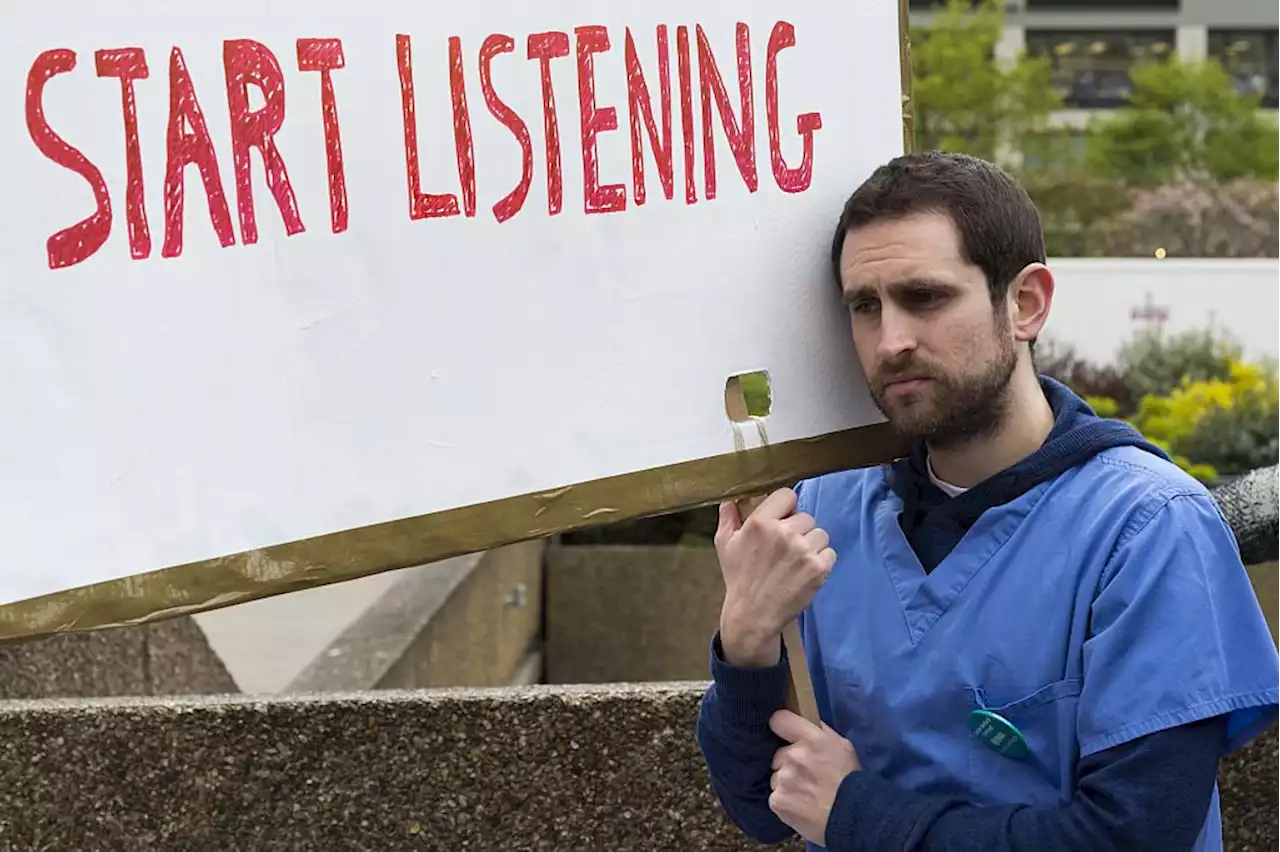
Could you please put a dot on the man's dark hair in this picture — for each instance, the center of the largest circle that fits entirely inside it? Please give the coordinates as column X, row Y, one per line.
column 998, row 225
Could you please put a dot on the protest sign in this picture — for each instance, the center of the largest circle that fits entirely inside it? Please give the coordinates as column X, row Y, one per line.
column 291, row 293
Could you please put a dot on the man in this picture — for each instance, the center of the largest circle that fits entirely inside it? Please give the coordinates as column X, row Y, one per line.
column 1034, row 633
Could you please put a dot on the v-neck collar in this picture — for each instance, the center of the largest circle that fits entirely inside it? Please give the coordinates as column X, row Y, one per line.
column 925, row 596
column 918, row 526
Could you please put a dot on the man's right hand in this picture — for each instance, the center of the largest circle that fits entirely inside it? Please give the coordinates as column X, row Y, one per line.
column 773, row 564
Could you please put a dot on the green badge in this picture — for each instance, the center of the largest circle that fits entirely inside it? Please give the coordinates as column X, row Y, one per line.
column 998, row 733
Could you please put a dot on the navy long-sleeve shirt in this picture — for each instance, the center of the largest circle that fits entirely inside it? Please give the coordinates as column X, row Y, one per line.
column 1150, row 793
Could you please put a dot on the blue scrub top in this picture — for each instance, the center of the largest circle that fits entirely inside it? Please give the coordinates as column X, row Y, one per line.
column 1099, row 606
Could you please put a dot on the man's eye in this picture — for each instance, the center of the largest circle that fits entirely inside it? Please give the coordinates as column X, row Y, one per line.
column 923, row 297
column 862, row 306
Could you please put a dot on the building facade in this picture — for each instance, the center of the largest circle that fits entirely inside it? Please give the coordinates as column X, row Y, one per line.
column 1093, row 43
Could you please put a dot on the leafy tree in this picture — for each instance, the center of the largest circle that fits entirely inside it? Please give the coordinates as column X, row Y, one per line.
column 1189, row 166
column 1070, row 203
column 1185, row 120
column 1194, row 219
column 966, row 100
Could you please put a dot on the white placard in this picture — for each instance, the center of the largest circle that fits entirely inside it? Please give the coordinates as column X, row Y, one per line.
column 345, row 359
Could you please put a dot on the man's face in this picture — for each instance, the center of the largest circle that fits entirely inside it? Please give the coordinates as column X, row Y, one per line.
column 937, row 354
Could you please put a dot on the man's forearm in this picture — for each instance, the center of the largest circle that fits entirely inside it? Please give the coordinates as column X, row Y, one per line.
column 743, row 643
column 1149, row 794
column 737, row 744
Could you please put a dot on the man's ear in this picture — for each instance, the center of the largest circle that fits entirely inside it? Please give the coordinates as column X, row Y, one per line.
column 1030, row 297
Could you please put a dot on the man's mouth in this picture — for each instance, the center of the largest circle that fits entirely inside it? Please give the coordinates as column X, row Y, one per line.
column 905, row 384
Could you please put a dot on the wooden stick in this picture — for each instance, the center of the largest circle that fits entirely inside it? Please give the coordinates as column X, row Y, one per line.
column 801, row 699
column 800, row 696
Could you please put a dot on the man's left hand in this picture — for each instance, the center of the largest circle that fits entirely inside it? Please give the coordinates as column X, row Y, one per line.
column 807, row 773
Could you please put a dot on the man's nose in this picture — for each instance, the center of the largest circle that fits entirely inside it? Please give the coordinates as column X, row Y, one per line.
column 897, row 334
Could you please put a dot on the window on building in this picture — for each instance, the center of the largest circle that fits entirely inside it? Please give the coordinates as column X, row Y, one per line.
column 1109, row 5
column 1069, row 5
column 1091, row 68
column 931, row 5
column 1250, row 57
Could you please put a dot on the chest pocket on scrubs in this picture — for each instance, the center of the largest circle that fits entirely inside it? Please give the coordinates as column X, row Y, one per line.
column 1045, row 719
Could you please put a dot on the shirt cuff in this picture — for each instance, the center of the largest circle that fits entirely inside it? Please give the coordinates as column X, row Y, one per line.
column 748, row 696
column 872, row 813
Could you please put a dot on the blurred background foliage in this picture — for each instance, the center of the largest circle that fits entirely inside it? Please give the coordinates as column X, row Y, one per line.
column 1189, row 165
column 1192, row 394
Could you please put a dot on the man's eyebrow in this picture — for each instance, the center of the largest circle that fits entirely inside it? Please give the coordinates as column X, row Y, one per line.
column 859, row 291
column 862, row 291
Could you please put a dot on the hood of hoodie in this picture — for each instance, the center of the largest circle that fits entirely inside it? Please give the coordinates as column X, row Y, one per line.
column 934, row 522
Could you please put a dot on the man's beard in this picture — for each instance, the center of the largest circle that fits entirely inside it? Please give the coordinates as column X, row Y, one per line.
column 952, row 409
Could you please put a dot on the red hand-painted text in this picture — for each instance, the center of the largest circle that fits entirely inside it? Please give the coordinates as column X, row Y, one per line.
column 651, row 97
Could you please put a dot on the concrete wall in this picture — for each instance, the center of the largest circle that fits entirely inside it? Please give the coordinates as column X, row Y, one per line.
column 630, row 614
column 475, row 620
column 488, row 630
column 166, row 658
column 546, row 768
column 265, row 644
column 1266, row 584
column 1246, row 14
column 1241, row 14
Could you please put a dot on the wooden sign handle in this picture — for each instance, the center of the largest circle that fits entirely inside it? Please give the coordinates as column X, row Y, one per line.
column 801, row 699
column 800, row 696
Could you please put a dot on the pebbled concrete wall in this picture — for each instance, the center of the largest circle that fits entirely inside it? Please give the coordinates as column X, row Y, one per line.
column 529, row 768
column 164, row 658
